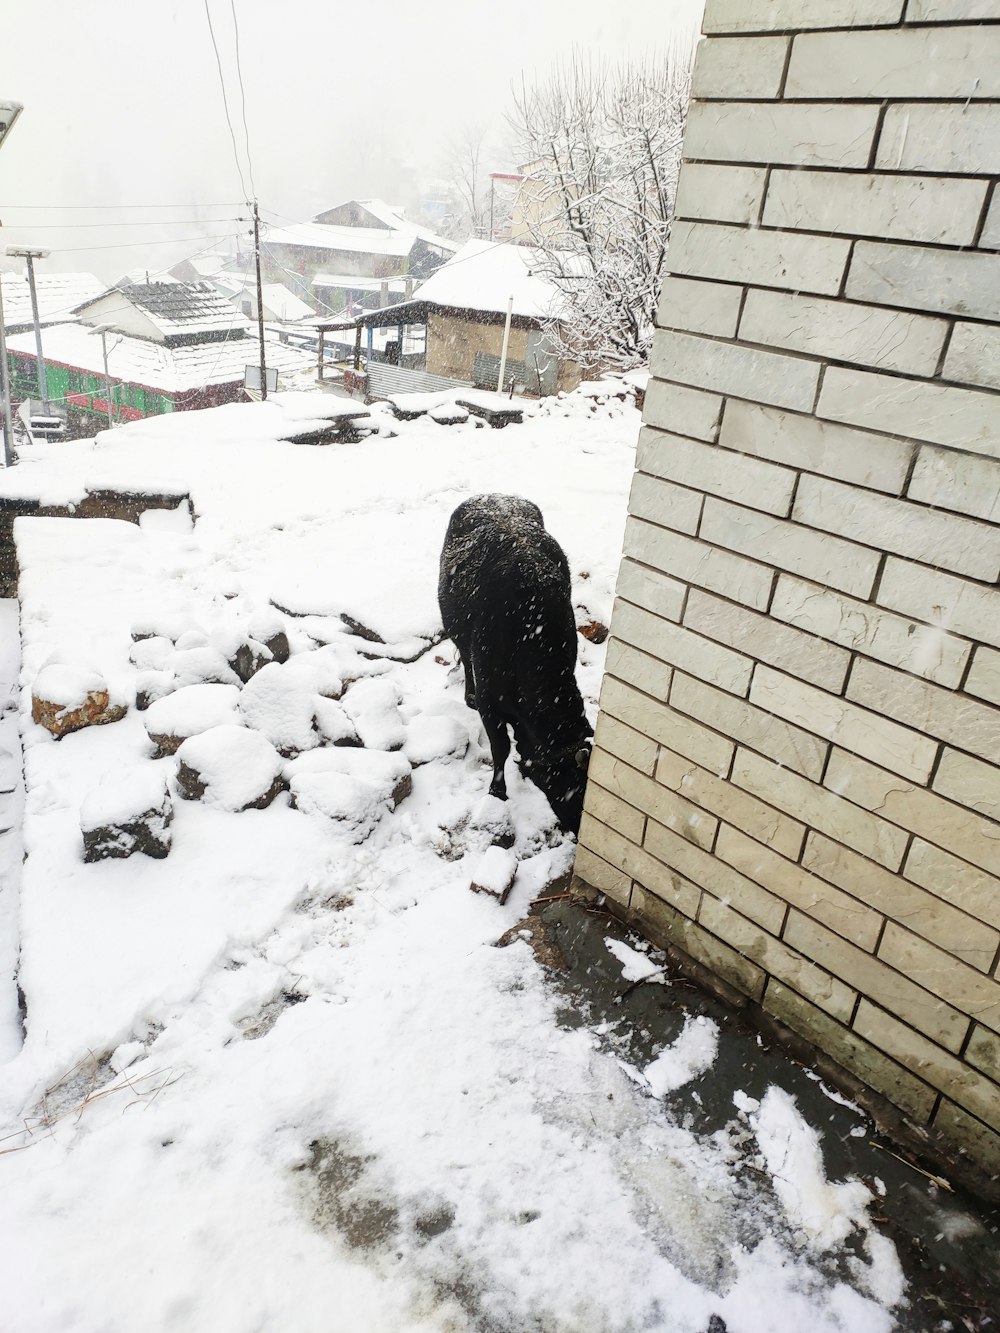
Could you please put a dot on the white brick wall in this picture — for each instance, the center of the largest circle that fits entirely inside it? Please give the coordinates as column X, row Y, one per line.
column 796, row 774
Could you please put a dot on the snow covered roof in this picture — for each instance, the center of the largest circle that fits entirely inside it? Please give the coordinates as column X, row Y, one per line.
column 352, row 281
column 177, row 307
column 58, row 295
column 483, row 276
column 155, row 365
column 284, row 304
column 356, row 240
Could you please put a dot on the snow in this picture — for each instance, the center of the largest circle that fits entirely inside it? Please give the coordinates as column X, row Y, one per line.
column 635, row 965
column 282, row 1078
column 690, row 1056
column 484, row 275
column 237, row 766
column 122, row 800
column 495, row 872
column 67, row 686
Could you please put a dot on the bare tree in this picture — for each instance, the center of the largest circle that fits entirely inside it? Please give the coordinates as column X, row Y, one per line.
column 601, row 150
column 464, row 165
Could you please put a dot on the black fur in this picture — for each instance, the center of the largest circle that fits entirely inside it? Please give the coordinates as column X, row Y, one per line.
column 504, row 593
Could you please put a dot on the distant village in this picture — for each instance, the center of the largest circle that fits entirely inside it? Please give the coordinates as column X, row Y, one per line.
column 360, row 300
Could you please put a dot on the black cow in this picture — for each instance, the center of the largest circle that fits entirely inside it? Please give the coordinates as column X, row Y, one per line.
column 504, row 593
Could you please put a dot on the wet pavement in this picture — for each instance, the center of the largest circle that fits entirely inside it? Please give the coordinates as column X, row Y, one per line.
column 948, row 1242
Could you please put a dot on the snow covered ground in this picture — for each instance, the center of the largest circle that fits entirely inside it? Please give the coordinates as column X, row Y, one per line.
column 280, row 1079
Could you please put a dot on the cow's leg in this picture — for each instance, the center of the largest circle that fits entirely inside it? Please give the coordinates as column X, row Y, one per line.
column 465, row 661
column 496, row 730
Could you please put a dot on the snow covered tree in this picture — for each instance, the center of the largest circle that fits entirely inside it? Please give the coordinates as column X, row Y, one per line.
column 601, row 150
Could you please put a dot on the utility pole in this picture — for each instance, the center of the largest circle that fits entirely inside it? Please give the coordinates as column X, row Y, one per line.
column 260, row 302
column 8, row 429
column 103, row 329
column 29, row 256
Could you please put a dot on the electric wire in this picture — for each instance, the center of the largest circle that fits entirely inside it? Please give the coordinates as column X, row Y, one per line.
column 243, row 98
column 225, row 100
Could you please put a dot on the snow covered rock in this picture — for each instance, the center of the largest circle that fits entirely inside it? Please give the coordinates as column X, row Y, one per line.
column 162, row 624
column 373, row 707
column 280, row 703
column 491, row 816
column 151, row 654
column 66, row 698
column 188, row 712
column 495, row 873
column 334, row 725
column 150, row 686
column 130, row 815
column 231, row 768
column 449, row 414
column 434, row 737
column 355, row 787
column 201, row 665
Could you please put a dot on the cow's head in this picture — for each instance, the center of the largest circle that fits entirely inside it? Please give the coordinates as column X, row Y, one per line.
column 562, row 778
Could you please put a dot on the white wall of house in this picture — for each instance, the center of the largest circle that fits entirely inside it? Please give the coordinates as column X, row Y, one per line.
column 796, row 776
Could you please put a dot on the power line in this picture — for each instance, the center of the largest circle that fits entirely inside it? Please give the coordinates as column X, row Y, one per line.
column 243, row 97
column 123, row 207
column 225, row 100
column 134, row 245
column 155, row 222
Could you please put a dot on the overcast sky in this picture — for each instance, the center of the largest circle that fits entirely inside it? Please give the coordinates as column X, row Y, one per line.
column 123, row 105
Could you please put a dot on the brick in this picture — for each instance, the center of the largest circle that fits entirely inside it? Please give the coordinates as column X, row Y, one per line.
column 821, row 808
column 956, row 481
column 685, row 411
column 983, row 1051
column 958, row 606
column 736, row 807
column 661, row 723
column 964, row 1085
column 786, row 259
column 875, row 979
column 700, row 307
column 664, row 924
column 720, row 193
column 922, row 136
column 662, row 502
column 706, row 468
column 827, row 559
column 696, row 562
column 951, row 62
column 651, row 589
column 942, row 414
column 770, row 15
column 769, row 735
column 843, row 331
column 857, row 1056
column 980, row 1143
column 865, row 629
column 720, row 879
column 984, row 676
column 955, row 880
column 902, row 208
column 923, row 912
column 937, row 971
column 751, row 67
column 974, row 355
column 990, row 238
column 655, row 798
column 596, row 872
column 946, row 282
column 819, row 135
column 826, row 991
column 945, row 11
column 681, row 648
column 852, row 728
column 602, row 806
column 970, row 782
column 814, row 896
column 637, row 668
column 822, row 663
column 641, row 867
column 816, row 446
column 910, row 807
column 916, row 703
column 906, row 529
column 733, row 368
column 624, row 742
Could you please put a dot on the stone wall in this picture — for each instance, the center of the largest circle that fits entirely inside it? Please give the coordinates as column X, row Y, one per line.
column 795, row 779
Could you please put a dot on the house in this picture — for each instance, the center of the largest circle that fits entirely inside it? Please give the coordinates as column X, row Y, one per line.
column 357, row 255
column 171, row 346
column 58, row 296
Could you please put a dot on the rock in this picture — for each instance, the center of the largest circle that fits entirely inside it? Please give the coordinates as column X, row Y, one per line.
column 373, row 707
column 188, row 712
column 492, row 818
column 495, row 873
column 434, row 737
column 150, row 686
column 200, row 665
column 354, row 787
column 449, row 414
column 162, row 625
column 66, row 698
column 150, row 654
column 130, row 815
column 230, row 768
column 593, row 630
column 333, row 724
